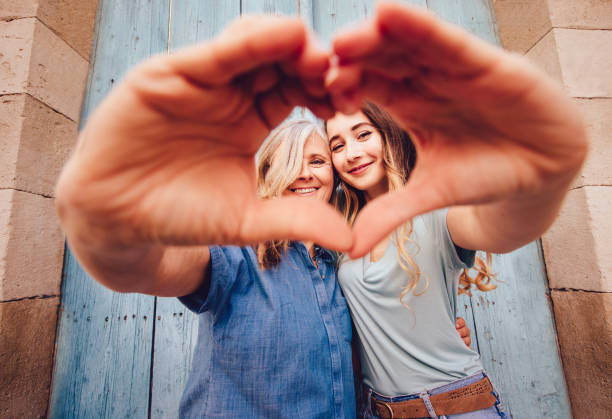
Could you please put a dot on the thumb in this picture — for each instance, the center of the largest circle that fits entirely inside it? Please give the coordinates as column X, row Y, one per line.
column 300, row 219
column 384, row 214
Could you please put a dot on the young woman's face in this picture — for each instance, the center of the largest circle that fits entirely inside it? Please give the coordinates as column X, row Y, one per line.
column 357, row 152
column 316, row 179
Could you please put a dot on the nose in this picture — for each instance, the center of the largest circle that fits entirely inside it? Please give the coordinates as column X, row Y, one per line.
column 305, row 173
column 353, row 150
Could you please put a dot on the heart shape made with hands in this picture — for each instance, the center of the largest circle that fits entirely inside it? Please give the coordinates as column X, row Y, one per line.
column 168, row 156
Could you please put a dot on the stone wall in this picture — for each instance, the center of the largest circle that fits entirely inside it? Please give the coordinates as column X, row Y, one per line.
column 572, row 41
column 44, row 54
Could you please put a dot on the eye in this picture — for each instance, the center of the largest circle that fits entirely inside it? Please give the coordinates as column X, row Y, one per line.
column 336, row 147
column 318, row 162
column 363, row 135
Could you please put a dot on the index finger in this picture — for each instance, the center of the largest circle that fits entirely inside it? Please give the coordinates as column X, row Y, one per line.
column 247, row 44
column 424, row 38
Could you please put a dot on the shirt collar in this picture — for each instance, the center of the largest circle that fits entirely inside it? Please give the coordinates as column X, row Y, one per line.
column 325, row 254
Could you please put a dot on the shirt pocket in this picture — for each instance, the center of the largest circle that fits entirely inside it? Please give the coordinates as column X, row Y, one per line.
column 342, row 317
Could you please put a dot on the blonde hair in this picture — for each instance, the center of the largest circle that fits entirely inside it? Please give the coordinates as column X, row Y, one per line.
column 399, row 158
column 482, row 280
column 278, row 165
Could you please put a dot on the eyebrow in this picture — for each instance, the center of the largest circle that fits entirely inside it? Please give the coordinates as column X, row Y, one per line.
column 353, row 128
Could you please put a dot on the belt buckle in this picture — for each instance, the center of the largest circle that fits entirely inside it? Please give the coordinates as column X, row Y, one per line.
column 386, row 405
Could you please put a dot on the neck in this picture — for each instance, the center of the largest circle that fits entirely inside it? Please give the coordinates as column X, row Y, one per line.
column 378, row 190
column 309, row 247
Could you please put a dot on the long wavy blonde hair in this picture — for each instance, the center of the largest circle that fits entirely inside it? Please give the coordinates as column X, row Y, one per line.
column 399, row 158
column 278, row 164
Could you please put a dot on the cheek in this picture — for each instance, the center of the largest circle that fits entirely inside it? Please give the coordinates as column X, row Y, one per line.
column 375, row 147
column 327, row 176
column 338, row 161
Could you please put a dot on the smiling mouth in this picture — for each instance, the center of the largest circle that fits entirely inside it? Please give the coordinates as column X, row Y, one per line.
column 360, row 169
column 303, row 191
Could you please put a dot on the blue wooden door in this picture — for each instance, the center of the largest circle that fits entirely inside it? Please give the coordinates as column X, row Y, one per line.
column 124, row 355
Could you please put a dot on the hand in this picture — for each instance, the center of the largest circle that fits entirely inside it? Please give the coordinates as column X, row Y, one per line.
column 463, row 331
column 168, row 157
column 487, row 125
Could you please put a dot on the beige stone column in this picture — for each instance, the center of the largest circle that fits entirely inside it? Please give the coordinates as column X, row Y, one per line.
column 572, row 41
column 44, row 54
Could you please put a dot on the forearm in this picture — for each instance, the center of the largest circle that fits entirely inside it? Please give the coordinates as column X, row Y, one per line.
column 501, row 227
column 156, row 270
column 507, row 224
column 124, row 266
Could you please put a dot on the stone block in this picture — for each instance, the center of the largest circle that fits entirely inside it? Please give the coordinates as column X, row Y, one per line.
column 544, row 55
column 521, row 23
column 579, row 59
column 15, row 50
column 584, row 327
column 585, row 58
column 578, row 246
column 11, row 9
column 26, row 354
column 72, row 20
column 36, row 61
column 581, row 14
column 11, row 123
column 35, row 142
column 597, row 115
column 31, row 246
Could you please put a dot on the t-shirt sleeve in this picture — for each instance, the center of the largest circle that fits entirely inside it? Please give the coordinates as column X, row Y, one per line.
column 226, row 263
column 456, row 256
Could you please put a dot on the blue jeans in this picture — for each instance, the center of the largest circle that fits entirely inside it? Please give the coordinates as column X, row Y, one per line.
column 494, row 412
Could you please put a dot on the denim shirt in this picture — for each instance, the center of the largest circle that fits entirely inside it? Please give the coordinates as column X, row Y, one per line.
column 271, row 343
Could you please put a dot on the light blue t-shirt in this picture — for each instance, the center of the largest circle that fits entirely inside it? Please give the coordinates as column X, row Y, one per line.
column 407, row 350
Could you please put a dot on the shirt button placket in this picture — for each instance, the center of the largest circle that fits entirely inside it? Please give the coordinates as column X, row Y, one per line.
column 328, row 320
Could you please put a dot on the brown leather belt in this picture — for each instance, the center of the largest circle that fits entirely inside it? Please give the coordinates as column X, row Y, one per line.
column 476, row 396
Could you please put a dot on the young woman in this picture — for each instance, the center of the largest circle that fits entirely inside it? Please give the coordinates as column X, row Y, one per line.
column 403, row 295
column 495, row 142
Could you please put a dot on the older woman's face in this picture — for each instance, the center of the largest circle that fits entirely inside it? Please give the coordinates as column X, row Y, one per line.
column 316, row 179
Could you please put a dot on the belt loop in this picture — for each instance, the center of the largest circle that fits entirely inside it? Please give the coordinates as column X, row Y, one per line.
column 369, row 402
column 425, row 397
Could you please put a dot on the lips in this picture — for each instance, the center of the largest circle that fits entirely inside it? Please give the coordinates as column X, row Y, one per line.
column 360, row 169
column 304, row 191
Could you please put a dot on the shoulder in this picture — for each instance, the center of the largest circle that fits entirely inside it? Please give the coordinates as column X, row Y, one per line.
column 232, row 254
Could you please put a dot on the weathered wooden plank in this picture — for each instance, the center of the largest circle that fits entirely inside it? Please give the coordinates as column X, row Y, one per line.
column 103, row 358
column 176, row 327
column 464, row 309
column 125, row 34
column 332, row 16
column 477, row 16
column 103, row 350
column 176, row 333
column 271, row 7
column 197, row 20
column 517, row 340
